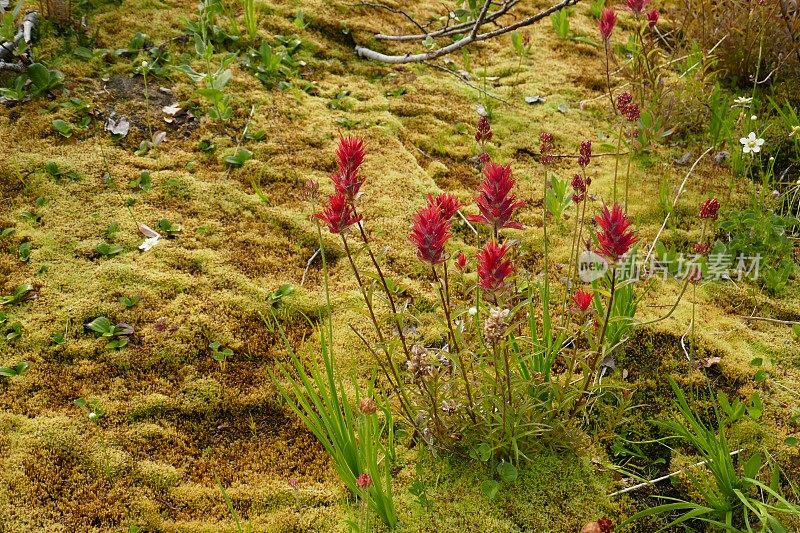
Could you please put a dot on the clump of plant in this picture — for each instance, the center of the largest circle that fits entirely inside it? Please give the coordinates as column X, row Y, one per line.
column 736, row 496
column 117, row 335
column 220, row 354
column 491, row 385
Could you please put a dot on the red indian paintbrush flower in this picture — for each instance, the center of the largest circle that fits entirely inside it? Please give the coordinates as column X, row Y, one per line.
column 709, row 209
column 338, row 214
column 492, row 269
column 349, row 157
column 429, row 233
column 495, row 202
column 652, row 18
column 350, row 153
column 582, row 300
column 614, row 238
column 608, row 19
column 447, row 204
column 637, row 6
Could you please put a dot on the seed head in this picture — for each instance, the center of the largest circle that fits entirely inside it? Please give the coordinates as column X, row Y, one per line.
column 368, row 406
column 494, row 326
column 585, row 153
column 364, row 481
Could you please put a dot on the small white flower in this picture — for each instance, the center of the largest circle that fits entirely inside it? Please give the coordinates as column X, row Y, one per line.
column 149, row 243
column 144, row 64
column 795, row 131
column 742, row 101
column 751, row 144
column 92, row 415
column 753, row 117
column 473, row 311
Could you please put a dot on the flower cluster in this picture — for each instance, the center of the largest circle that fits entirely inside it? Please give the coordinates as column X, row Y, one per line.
column 614, row 238
column 339, row 212
column 496, row 203
column 483, row 134
column 627, row 107
column 637, row 6
column 546, row 148
column 709, row 209
column 585, row 155
column 579, row 187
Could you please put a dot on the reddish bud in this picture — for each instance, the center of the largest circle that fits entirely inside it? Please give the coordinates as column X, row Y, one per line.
column 461, row 261
column 585, row 153
column 484, row 131
column 492, row 269
column 709, row 209
column 614, row 238
column 652, row 18
column 702, row 248
column 582, row 300
column 364, row 481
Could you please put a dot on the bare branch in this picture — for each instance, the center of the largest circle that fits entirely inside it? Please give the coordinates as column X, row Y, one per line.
column 479, row 20
column 450, row 30
column 368, row 53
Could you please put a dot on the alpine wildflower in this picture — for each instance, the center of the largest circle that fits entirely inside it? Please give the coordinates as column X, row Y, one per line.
column 614, row 238
column 751, row 144
column 492, row 268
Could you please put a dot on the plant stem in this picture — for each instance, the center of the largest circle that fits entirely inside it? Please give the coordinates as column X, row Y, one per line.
column 616, row 159
column 372, row 317
column 627, row 177
column 448, row 318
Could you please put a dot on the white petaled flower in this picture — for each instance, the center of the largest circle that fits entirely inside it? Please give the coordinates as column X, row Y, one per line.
column 753, row 117
column 742, row 101
column 751, row 144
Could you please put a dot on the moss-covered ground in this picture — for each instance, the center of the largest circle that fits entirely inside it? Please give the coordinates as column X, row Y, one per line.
column 174, row 424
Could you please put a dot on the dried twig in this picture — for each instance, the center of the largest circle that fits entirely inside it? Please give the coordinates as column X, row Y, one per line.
column 472, row 37
column 772, row 320
column 662, row 478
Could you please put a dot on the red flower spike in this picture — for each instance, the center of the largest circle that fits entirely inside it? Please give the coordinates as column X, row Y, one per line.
column 495, row 202
column 338, row 214
column 429, row 234
column 546, row 146
column 608, row 19
column 447, row 204
column 350, row 154
column 461, row 261
column 652, row 18
column 709, row 209
column 347, row 183
column 492, row 269
column 614, row 238
column 582, row 300
column 637, row 6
